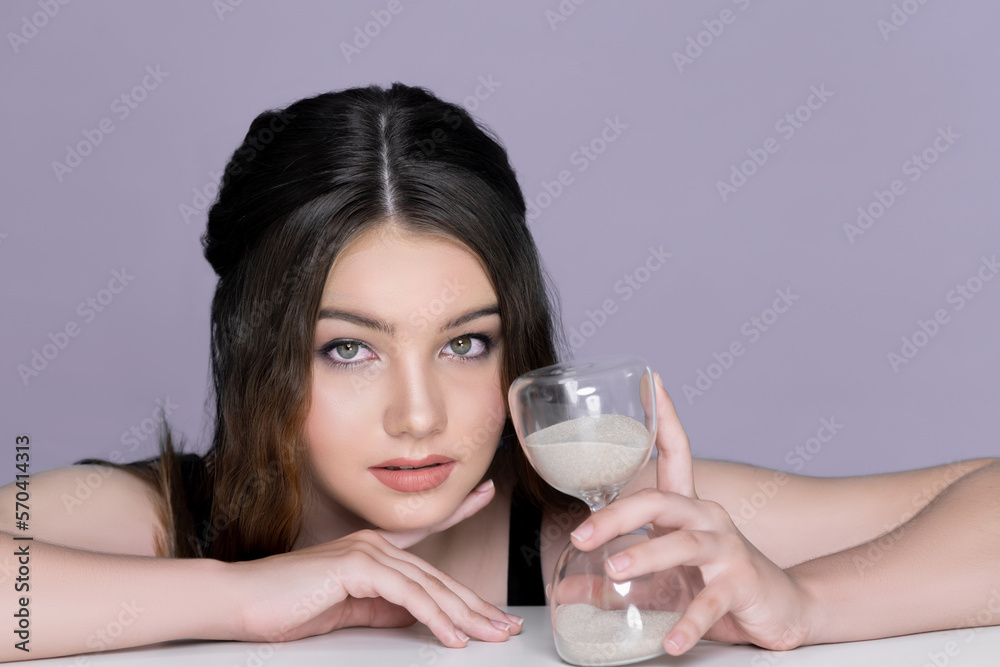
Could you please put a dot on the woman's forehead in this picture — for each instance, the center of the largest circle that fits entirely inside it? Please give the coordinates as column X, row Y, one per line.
column 403, row 276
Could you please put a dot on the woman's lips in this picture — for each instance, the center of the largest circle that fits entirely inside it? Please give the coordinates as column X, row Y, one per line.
column 412, row 475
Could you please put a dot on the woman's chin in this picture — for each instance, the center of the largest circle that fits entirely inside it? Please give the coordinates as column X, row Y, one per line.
column 413, row 513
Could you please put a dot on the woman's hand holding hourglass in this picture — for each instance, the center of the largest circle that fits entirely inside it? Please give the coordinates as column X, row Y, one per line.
column 745, row 598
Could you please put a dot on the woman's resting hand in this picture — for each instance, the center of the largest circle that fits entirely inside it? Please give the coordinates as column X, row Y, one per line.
column 365, row 579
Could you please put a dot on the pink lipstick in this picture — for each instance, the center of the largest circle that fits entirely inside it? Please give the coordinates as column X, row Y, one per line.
column 412, row 475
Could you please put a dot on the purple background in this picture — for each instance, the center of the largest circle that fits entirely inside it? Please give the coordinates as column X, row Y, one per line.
column 656, row 184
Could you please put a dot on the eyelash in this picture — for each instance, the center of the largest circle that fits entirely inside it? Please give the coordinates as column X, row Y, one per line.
column 325, row 351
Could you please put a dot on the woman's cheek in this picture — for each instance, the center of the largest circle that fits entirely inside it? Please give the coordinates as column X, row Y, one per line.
column 337, row 414
column 482, row 432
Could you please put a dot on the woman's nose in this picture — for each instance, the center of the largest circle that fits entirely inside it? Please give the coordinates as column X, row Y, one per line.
column 416, row 404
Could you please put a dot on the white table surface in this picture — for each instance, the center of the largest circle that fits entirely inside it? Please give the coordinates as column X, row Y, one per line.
column 415, row 646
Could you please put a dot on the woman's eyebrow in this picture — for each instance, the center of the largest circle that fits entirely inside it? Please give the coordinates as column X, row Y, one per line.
column 381, row 325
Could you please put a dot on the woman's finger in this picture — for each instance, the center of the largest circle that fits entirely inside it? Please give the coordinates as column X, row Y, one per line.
column 674, row 468
column 711, row 604
column 665, row 510
column 482, row 623
column 458, row 600
column 375, row 574
column 511, row 623
column 477, row 499
column 363, row 577
column 581, row 588
column 681, row 547
column 373, row 613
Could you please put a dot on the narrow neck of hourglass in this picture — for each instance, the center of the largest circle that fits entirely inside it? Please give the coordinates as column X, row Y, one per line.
column 597, row 500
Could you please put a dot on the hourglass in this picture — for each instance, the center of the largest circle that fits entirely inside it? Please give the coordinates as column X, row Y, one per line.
column 587, row 428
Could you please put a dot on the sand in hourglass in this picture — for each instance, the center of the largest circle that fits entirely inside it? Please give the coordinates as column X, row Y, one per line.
column 587, row 635
column 589, row 453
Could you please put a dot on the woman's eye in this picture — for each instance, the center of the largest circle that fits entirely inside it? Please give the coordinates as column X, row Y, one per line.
column 345, row 353
column 349, row 351
column 467, row 346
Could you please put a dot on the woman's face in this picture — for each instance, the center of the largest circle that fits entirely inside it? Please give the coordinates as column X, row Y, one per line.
column 406, row 408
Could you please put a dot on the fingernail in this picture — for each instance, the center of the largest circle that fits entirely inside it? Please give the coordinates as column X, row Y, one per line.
column 485, row 486
column 659, row 380
column 500, row 625
column 676, row 641
column 516, row 620
column 462, row 637
column 583, row 531
column 619, row 562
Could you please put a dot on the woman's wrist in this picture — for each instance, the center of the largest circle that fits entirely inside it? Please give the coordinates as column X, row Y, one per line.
column 817, row 621
column 223, row 602
column 234, row 584
column 252, row 603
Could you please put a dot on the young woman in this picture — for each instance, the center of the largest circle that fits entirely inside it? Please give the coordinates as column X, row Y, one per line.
column 378, row 292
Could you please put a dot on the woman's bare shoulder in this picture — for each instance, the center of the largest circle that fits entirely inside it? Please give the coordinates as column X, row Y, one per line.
column 93, row 507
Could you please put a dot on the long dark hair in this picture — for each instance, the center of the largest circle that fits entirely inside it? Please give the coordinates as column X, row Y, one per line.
column 306, row 180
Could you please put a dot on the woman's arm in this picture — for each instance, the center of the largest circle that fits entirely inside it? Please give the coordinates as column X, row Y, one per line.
column 794, row 518
column 63, row 593
column 938, row 570
column 87, row 580
column 61, row 601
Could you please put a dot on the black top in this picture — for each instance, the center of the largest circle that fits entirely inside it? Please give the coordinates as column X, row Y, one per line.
column 524, row 566
column 524, row 558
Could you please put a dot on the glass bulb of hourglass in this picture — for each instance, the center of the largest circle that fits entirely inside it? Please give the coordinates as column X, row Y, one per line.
column 588, row 428
column 592, row 457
